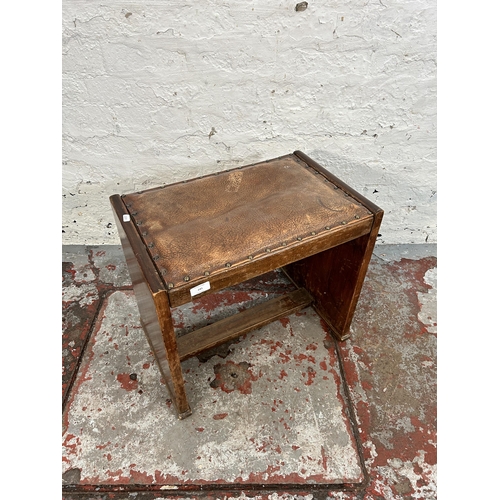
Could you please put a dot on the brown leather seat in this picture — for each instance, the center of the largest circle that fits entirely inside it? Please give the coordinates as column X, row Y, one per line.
column 203, row 226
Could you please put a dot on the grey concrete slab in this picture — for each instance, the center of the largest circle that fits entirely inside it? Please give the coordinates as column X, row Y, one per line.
column 397, row 252
column 105, row 264
column 271, row 411
column 389, row 366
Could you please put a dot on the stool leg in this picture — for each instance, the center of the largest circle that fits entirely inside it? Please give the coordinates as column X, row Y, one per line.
column 335, row 277
column 171, row 353
column 156, row 321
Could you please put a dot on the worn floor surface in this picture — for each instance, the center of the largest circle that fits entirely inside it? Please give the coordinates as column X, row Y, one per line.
column 282, row 412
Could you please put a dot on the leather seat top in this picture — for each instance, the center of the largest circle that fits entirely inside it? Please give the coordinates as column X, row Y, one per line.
column 210, row 223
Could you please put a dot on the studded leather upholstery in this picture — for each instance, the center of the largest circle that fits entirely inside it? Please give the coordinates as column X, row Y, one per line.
column 204, row 225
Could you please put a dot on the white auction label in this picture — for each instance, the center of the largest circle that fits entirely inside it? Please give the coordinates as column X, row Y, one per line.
column 126, row 218
column 200, row 288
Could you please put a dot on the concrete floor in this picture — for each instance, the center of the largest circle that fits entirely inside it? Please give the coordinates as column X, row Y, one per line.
column 283, row 412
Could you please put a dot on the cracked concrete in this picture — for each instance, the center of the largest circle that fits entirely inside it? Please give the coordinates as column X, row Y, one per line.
column 111, row 390
column 259, row 415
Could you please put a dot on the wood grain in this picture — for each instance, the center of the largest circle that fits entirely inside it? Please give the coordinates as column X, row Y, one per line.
column 234, row 326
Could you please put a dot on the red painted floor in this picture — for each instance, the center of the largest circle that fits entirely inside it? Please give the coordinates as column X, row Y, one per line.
column 387, row 367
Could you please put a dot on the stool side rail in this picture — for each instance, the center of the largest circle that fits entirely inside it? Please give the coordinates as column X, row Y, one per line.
column 270, row 261
column 243, row 322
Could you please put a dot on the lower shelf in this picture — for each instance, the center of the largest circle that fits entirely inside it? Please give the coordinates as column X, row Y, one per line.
column 230, row 328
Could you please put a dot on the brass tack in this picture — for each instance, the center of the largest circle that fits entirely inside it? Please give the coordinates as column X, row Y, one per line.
column 283, row 244
column 134, row 213
column 139, row 223
column 151, row 245
column 145, row 233
column 335, row 187
column 156, row 257
column 128, row 205
column 228, row 264
column 313, row 233
column 327, row 228
column 346, row 194
column 186, row 278
column 170, row 286
column 268, row 250
column 164, row 271
column 206, row 273
column 299, row 238
column 343, row 222
column 250, row 257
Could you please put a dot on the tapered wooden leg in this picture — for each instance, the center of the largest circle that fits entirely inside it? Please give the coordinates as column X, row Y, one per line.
column 334, row 278
column 170, row 353
column 157, row 324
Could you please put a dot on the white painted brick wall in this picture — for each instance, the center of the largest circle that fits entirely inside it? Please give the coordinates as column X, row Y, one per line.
column 155, row 92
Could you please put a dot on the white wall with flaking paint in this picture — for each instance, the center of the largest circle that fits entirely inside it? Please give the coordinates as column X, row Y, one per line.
column 160, row 91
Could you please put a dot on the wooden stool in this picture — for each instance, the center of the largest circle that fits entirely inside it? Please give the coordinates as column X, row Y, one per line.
column 199, row 236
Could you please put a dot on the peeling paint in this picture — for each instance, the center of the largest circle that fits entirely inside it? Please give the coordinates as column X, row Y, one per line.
column 390, row 369
column 251, row 437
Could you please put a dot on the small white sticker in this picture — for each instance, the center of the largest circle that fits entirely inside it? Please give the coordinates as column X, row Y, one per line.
column 126, row 218
column 200, row 288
